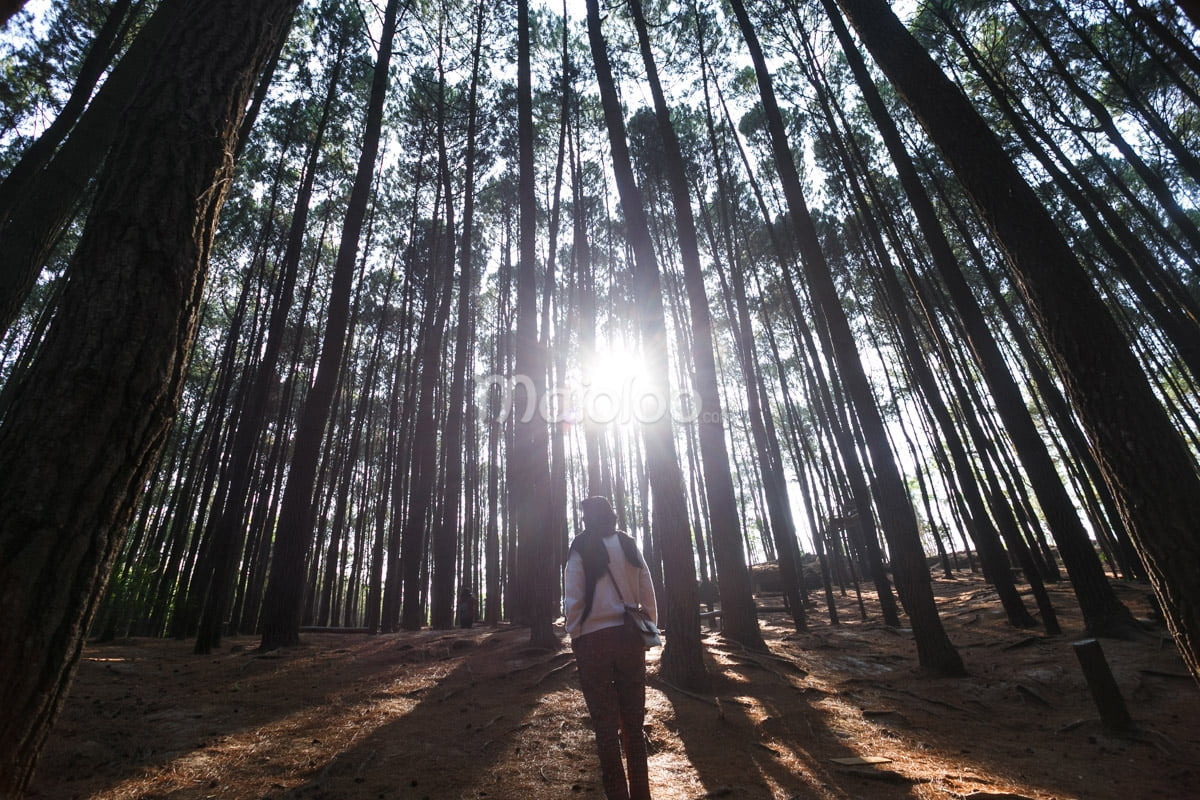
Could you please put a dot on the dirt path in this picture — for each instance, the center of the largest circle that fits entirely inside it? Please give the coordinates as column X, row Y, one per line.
column 478, row 714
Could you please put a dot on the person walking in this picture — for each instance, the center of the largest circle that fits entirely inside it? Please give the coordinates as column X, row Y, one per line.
column 604, row 573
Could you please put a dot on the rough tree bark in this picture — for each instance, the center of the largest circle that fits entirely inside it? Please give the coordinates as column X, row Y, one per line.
column 92, row 412
column 99, row 58
column 283, row 601
column 32, row 225
column 681, row 659
column 739, row 620
column 530, row 478
column 1144, row 459
column 899, row 523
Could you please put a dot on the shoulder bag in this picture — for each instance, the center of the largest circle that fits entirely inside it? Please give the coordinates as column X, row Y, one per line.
column 637, row 619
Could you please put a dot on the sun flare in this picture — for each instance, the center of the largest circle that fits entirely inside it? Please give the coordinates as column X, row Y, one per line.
column 613, row 371
column 609, row 386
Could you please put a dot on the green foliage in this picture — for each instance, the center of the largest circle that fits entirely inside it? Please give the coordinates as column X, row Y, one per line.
column 992, row 53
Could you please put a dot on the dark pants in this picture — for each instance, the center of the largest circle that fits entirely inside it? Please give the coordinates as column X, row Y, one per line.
column 612, row 674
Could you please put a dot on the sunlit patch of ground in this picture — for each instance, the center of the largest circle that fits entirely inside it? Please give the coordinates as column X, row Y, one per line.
column 479, row 714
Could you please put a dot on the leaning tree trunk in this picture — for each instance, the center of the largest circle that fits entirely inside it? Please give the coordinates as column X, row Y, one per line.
column 834, row 420
column 1101, row 608
column 681, row 659
column 92, row 412
column 99, row 58
column 985, row 533
column 283, row 601
column 33, row 224
column 1143, row 457
column 766, row 445
column 1154, row 179
column 739, row 619
column 934, row 649
column 229, row 533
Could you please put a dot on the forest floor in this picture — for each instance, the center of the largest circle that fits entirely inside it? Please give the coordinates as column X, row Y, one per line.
column 479, row 714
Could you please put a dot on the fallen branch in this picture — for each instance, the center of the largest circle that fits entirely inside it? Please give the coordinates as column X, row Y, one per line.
column 1164, row 674
column 758, row 655
column 925, row 699
column 560, row 654
column 1026, row 642
column 565, row 665
column 662, row 683
column 885, row 775
column 1034, row 696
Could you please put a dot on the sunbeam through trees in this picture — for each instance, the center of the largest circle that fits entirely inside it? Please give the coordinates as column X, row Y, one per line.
column 326, row 314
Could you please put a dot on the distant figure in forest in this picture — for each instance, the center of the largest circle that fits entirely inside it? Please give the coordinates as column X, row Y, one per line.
column 605, row 572
column 466, row 607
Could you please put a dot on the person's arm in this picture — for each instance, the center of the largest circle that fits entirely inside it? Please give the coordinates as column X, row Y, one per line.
column 573, row 594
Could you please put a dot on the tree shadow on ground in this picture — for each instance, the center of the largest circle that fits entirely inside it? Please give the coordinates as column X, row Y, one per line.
column 1021, row 724
column 146, row 707
column 474, row 727
column 147, row 719
column 763, row 701
column 478, row 714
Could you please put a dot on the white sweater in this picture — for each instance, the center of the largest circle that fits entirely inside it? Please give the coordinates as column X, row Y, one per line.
column 607, row 608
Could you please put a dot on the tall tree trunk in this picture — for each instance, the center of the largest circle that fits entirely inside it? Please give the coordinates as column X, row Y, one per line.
column 984, row 532
column 1102, row 610
column 405, row 414
column 529, row 462
column 91, row 414
column 834, row 417
column 1144, row 459
column 446, row 536
column 739, row 619
column 229, row 532
column 384, row 544
column 681, row 658
column 586, row 320
column 423, row 439
column 30, row 229
column 356, row 418
column 284, row 600
column 934, row 649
